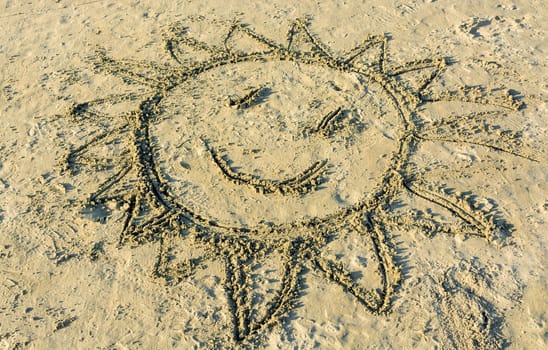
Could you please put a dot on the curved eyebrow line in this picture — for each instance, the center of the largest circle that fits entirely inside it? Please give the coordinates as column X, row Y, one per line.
column 247, row 100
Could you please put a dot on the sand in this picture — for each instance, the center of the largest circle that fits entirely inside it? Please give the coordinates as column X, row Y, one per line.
column 327, row 175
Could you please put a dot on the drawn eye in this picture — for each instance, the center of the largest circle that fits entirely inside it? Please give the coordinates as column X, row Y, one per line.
column 254, row 96
column 330, row 122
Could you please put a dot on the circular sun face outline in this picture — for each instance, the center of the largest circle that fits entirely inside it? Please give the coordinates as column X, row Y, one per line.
column 299, row 185
column 337, row 113
column 153, row 213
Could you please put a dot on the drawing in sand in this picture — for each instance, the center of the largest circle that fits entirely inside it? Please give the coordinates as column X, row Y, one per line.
column 206, row 131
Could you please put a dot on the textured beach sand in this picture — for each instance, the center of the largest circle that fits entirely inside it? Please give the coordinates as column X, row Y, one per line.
column 67, row 282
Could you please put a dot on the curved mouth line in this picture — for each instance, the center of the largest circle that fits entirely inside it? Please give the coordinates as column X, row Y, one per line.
column 304, row 182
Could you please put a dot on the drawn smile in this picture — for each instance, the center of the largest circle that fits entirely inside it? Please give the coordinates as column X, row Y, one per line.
column 306, row 181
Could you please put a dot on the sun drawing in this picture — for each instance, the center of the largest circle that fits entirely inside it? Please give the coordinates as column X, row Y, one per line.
column 204, row 133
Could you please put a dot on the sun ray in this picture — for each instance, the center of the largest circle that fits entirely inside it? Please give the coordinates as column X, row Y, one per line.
column 390, row 272
column 301, row 28
column 77, row 157
column 237, row 275
column 375, row 300
column 241, row 40
column 334, row 271
column 172, row 272
column 80, row 109
column 485, row 226
column 131, row 213
column 474, row 94
column 383, row 55
column 285, row 298
column 248, row 321
column 177, row 36
column 430, row 225
column 144, row 224
column 427, row 70
column 88, row 111
column 370, row 42
column 466, row 129
column 502, row 144
column 269, row 44
column 421, row 65
column 101, row 195
column 148, row 74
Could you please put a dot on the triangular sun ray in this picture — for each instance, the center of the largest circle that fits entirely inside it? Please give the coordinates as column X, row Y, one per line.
column 165, row 267
column 418, row 65
column 237, row 273
column 98, row 197
column 239, row 36
column 301, row 26
column 334, row 271
column 177, row 37
column 370, row 42
column 240, row 279
column 145, row 223
column 429, row 68
column 131, row 214
column 474, row 94
column 148, row 230
column 193, row 44
column 269, row 44
column 134, row 72
column 469, row 127
column 383, row 55
column 501, row 144
column 285, row 296
column 429, row 225
column 473, row 218
column 375, row 301
column 88, row 111
column 107, row 136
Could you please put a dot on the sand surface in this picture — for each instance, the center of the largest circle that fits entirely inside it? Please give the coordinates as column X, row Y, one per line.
column 230, row 174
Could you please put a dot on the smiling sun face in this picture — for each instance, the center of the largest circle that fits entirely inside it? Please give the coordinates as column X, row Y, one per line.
column 275, row 156
column 274, row 141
